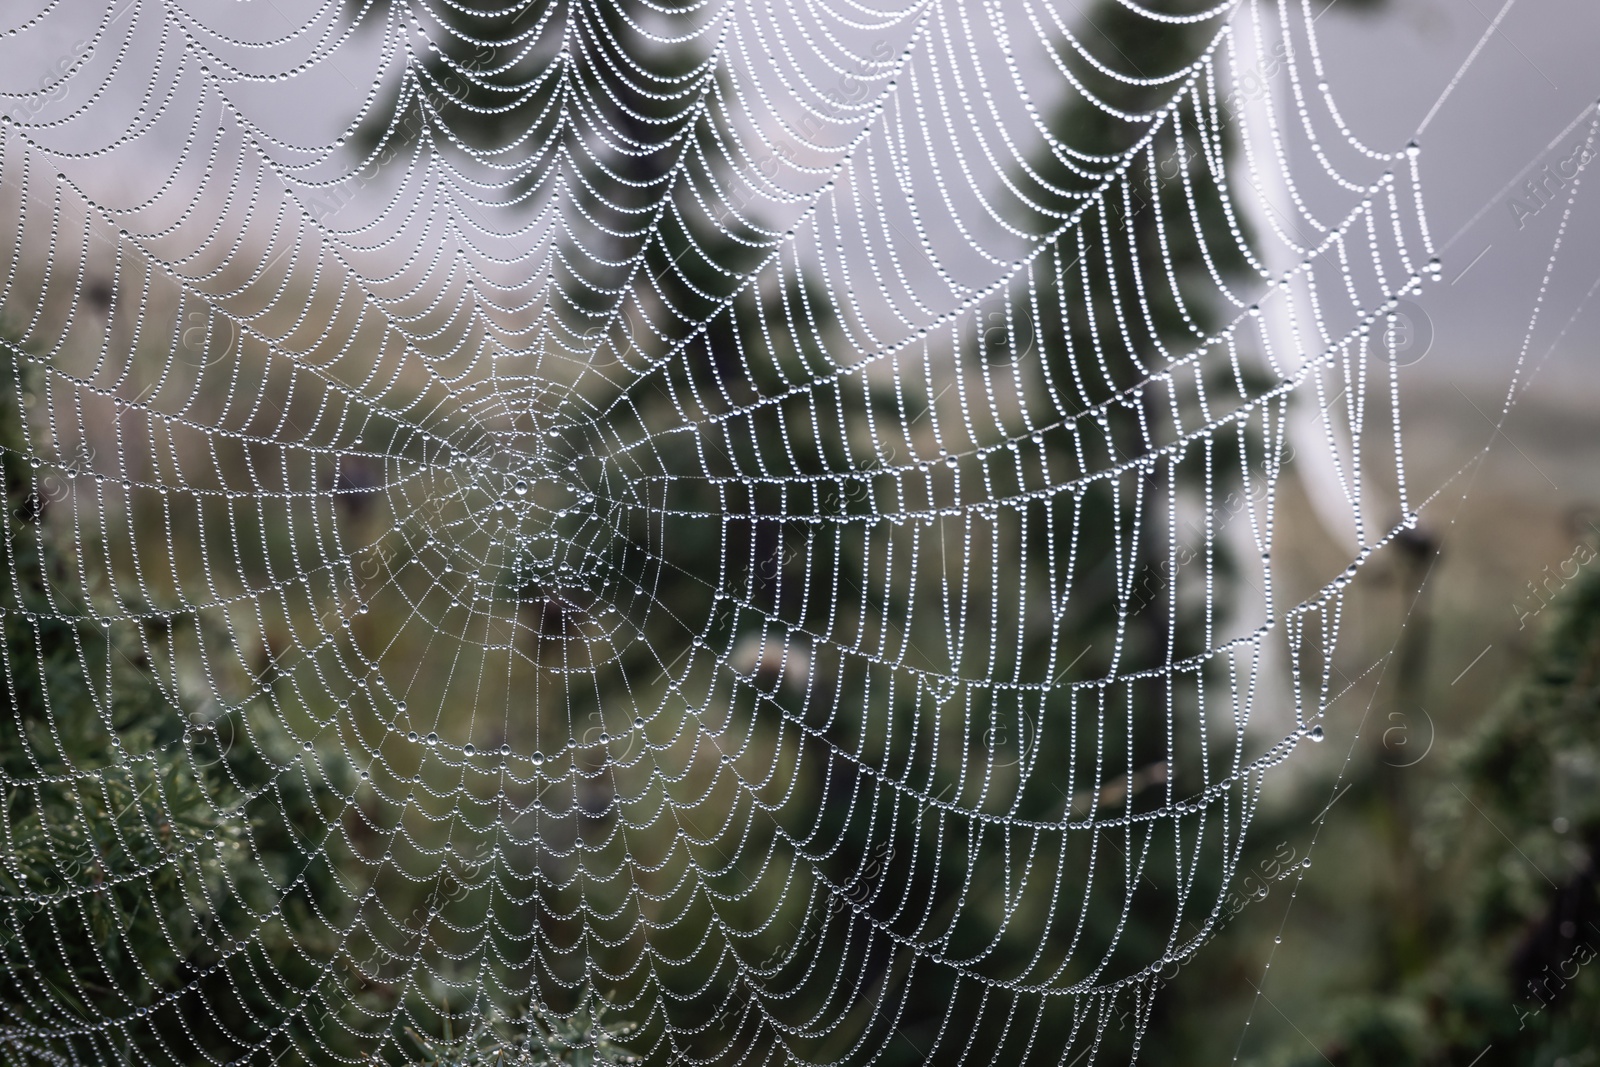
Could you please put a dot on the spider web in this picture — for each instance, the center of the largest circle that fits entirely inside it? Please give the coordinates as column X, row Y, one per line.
column 730, row 520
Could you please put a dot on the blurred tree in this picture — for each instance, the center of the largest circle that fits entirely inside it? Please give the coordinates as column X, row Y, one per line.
column 580, row 84
column 1125, row 292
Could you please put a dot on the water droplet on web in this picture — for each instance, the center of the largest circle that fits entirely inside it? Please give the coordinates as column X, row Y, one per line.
column 1316, row 733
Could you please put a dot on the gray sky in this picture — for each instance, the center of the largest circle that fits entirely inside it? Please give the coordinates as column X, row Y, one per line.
column 1533, row 77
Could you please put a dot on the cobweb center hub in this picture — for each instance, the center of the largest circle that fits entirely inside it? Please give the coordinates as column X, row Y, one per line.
column 533, row 518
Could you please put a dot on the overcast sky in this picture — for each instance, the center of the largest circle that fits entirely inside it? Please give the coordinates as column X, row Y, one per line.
column 1534, row 76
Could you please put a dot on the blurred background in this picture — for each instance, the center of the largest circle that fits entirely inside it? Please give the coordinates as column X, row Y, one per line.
column 1420, row 888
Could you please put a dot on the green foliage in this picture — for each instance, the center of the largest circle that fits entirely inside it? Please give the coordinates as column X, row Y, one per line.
column 543, row 1039
column 140, row 884
column 1509, row 920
